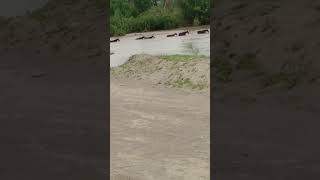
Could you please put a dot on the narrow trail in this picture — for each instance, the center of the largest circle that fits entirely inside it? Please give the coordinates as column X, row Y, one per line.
column 158, row 133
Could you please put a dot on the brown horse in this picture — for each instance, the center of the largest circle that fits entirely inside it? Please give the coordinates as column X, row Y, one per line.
column 149, row 37
column 203, row 31
column 139, row 38
column 116, row 40
column 183, row 33
column 171, row 35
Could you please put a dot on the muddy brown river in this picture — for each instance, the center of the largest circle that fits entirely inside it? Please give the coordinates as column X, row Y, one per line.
column 191, row 44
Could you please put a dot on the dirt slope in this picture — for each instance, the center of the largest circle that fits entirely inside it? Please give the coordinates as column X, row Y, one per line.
column 184, row 73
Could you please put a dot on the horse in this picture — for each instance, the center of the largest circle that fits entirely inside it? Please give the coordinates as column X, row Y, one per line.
column 203, row 31
column 183, row 33
column 114, row 40
column 171, row 35
column 149, row 37
column 140, row 38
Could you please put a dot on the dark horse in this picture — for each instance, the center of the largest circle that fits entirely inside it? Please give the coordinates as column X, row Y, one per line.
column 149, row 37
column 203, row 31
column 140, row 38
column 171, row 35
column 183, row 33
column 114, row 40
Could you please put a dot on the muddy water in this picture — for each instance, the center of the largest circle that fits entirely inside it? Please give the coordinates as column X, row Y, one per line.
column 191, row 44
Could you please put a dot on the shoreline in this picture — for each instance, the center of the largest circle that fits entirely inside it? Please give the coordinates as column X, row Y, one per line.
column 166, row 30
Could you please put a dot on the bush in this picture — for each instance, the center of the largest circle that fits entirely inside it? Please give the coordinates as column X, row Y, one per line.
column 156, row 18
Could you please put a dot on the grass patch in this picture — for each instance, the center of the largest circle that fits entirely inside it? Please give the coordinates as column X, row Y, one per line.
column 183, row 58
column 156, row 18
column 180, row 83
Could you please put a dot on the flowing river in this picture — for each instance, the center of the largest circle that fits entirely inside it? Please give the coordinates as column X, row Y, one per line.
column 191, row 44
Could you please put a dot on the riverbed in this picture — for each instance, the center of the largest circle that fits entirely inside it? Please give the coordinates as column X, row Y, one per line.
column 191, row 44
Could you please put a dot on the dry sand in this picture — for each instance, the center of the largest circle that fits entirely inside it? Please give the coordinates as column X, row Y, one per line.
column 158, row 132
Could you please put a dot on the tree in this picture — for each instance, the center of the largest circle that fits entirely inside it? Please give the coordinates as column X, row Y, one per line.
column 196, row 9
column 122, row 8
column 143, row 5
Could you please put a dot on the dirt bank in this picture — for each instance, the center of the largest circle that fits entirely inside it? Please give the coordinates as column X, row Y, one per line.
column 186, row 73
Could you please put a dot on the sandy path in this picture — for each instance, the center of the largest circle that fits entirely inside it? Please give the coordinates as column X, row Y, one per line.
column 158, row 133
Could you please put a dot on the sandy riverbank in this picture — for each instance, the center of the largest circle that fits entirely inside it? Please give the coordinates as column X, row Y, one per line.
column 160, row 122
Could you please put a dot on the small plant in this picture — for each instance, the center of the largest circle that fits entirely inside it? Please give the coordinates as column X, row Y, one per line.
column 196, row 22
column 180, row 83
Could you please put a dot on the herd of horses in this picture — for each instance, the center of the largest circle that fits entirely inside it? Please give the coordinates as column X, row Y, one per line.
column 169, row 35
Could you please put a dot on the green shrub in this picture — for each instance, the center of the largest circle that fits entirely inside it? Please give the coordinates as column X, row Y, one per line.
column 156, row 18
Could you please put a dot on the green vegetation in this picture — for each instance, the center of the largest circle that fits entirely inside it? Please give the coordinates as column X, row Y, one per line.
column 180, row 83
column 183, row 58
column 127, row 16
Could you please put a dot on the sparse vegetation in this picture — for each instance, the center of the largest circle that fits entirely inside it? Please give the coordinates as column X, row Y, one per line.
column 181, row 83
column 185, row 72
column 183, row 58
